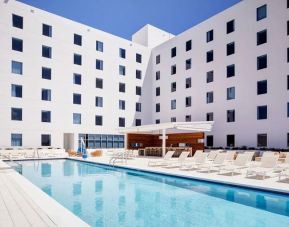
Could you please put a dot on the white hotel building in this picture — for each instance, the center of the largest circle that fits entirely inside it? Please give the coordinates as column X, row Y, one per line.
column 60, row 79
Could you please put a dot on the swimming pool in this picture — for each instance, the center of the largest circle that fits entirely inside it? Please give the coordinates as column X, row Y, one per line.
column 105, row 196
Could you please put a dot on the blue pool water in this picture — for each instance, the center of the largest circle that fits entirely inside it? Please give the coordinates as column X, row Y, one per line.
column 106, row 196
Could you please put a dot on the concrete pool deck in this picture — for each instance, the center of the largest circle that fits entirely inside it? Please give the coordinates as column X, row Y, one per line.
column 141, row 163
column 23, row 204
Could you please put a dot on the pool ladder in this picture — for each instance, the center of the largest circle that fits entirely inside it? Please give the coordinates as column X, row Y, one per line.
column 17, row 166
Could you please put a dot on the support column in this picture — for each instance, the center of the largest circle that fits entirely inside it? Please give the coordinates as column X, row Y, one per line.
column 164, row 142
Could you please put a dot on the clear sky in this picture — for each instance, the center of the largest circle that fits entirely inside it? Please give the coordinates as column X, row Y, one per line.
column 125, row 17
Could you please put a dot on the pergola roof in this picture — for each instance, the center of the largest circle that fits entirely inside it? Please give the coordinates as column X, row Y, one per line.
column 197, row 126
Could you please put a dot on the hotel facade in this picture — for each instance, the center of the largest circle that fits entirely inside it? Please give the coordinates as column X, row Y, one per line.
column 61, row 80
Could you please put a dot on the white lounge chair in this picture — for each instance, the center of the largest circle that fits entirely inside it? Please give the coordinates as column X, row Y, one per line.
column 217, row 163
column 180, row 161
column 284, row 173
column 267, row 166
column 199, row 159
column 168, row 157
column 213, row 154
column 230, row 156
column 236, row 166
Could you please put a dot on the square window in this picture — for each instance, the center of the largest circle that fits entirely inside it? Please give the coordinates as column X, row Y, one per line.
column 45, row 116
column 138, row 90
column 137, row 122
column 173, row 104
column 138, row 58
column 173, row 87
column 173, row 119
column 16, row 114
column 210, row 56
column 287, row 109
column 76, row 118
column 98, row 83
column 262, row 62
column 261, row 12
column 173, row 52
column 158, row 91
column 230, row 71
column 188, row 64
column 77, row 99
column 46, row 73
column 158, row 75
column 158, row 121
column 262, row 87
column 99, row 64
column 138, row 74
column 288, row 27
column 17, row 21
column 210, row 141
column 188, row 118
column 17, row 44
column 121, row 122
column 98, row 120
column 77, row 59
column 76, row 78
column 16, row 140
column 138, row 107
column 46, row 94
column 46, row 52
column 99, row 101
column 230, row 115
column 288, row 54
column 16, row 91
column 188, row 45
column 158, row 107
column 121, row 104
column 287, row 82
column 188, row 101
column 230, row 93
column 261, row 37
column 262, row 140
column 230, row 140
column 99, row 46
column 230, row 26
column 17, row 67
column 261, row 112
column 121, row 70
column 188, row 82
column 122, row 53
column 46, row 30
column 210, row 76
column 230, row 48
column 77, row 39
column 45, row 140
column 158, row 59
column 173, row 69
column 210, row 116
column 210, row 36
column 210, row 97
column 121, row 87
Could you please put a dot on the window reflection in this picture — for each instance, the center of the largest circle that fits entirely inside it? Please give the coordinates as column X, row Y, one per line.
column 45, row 170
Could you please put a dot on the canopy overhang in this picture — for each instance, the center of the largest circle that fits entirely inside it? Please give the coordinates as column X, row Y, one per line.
column 197, row 126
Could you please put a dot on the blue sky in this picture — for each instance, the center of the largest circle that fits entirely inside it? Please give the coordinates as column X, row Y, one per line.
column 124, row 17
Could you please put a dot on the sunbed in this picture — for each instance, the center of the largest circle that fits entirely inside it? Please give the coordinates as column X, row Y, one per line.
column 168, row 157
column 180, row 161
column 217, row 163
column 199, row 159
column 239, row 163
column 267, row 166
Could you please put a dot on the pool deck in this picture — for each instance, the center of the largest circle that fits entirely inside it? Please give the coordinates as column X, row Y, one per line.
column 23, row 204
column 140, row 163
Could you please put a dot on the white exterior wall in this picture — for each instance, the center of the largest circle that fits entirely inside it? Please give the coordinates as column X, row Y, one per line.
column 246, row 126
column 61, row 84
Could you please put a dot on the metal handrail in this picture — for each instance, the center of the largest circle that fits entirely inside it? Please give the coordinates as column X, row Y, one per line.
column 11, row 160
